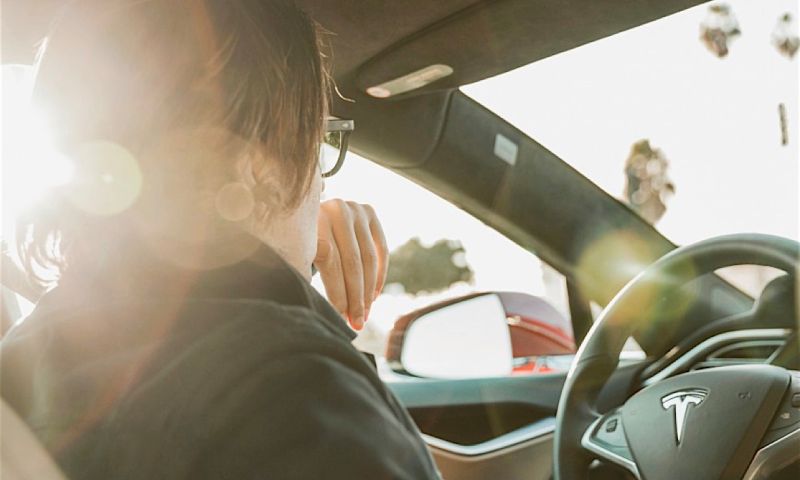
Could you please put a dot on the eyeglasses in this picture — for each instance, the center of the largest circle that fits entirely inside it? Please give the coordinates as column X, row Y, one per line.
column 334, row 147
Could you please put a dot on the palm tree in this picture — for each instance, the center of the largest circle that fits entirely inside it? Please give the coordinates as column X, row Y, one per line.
column 718, row 29
column 647, row 185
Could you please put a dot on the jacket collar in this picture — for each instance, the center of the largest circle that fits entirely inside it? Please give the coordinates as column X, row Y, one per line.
column 263, row 275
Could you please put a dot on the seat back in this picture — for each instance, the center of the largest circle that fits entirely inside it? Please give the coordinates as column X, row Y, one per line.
column 22, row 456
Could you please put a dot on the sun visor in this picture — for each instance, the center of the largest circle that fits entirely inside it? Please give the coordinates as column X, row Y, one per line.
column 494, row 37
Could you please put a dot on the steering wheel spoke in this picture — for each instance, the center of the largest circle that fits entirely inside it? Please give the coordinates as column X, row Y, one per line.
column 605, row 439
column 781, row 444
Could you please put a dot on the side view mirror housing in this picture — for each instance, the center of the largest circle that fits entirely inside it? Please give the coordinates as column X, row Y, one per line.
column 480, row 335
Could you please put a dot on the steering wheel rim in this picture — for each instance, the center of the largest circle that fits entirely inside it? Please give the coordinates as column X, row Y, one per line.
column 598, row 355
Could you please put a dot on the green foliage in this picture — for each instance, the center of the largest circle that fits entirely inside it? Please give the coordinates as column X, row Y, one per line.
column 428, row 269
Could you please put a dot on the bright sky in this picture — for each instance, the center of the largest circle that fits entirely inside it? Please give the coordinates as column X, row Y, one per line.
column 715, row 119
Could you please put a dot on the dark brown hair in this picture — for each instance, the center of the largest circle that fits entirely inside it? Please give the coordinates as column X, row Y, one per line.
column 199, row 95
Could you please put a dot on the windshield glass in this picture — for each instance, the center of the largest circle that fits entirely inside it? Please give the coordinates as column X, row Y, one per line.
column 692, row 120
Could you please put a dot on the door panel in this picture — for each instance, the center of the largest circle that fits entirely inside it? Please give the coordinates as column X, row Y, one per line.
column 486, row 428
column 497, row 427
column 531, row 460
column 541, row 391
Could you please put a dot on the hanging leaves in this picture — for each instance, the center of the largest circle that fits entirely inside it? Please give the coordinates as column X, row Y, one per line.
column 718, row 29
column 784, row 37
column 784, row 126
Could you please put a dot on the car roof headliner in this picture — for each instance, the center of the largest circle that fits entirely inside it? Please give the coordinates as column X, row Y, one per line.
column 377, row 40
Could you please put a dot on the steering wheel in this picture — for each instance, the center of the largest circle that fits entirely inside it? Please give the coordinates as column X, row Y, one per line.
column 720, row 423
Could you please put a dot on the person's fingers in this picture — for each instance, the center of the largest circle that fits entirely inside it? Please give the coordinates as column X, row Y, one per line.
column 329, row 266
column 381, row 248
column 350, row 257
column 369, row 256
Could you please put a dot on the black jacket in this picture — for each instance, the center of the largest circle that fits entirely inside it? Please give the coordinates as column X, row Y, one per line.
column 242, row 372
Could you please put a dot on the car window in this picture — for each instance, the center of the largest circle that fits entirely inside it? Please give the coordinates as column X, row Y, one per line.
column 691, row 120
column 439, row 251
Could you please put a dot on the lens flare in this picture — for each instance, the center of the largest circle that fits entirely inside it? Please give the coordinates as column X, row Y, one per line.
column 234, row 202
column 624, row 256
column 107, row 179
column 30, row 164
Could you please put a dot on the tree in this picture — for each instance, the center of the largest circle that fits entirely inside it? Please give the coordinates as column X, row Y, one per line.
column 647, row 185
column 785, row 37
column 718, row 29
column 428, row 269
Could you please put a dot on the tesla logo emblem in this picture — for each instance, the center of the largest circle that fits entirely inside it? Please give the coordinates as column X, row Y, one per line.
column 682, row 400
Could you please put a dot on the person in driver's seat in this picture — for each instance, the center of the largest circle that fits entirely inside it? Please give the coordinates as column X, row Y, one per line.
column 183, row 339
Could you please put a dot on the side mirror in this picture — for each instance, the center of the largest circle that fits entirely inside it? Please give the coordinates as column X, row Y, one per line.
column 461, row 340
column 481, row 335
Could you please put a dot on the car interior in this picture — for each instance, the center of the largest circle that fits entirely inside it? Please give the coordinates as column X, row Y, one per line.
column 398, row 67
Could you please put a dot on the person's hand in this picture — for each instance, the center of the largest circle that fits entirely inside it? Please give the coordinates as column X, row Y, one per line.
column 352, row 258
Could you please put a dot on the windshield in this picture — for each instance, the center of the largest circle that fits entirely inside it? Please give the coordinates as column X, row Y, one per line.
column 698, row 135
